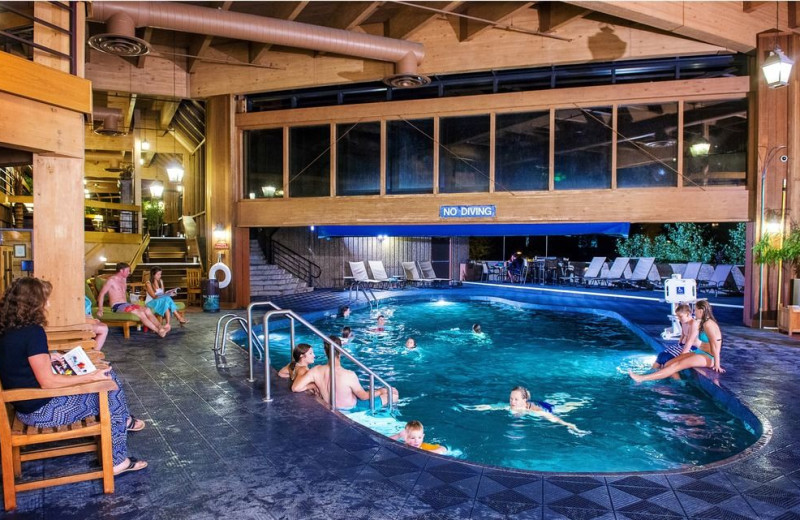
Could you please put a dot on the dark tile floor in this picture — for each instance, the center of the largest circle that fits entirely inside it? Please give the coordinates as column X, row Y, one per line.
column 217, row 451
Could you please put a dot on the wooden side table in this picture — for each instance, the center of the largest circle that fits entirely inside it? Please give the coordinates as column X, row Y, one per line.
column 789, row 319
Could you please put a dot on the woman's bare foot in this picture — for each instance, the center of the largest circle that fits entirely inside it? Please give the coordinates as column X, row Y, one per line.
column 129, row 464
column 636, row 377
column 181, row 319
column 163, row 331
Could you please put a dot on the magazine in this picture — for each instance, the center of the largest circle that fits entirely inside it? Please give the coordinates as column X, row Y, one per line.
column 172, row 292
column 74, row 362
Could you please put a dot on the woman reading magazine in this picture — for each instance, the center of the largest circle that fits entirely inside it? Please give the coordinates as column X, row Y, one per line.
column 160, row 301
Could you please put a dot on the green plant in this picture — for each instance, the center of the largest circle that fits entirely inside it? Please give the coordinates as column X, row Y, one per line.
column 769, row 250
column 153, row 212
column 734, row 250
column 681, row 242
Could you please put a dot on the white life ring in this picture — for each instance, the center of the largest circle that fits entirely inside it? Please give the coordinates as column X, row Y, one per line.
column 219, row 266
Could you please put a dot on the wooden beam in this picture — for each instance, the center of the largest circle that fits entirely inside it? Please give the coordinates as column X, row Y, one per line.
column 100, row 237
column 732, row 28
column 147, row 36
column 749, row 7
column 350, row 15
column 408, row 20
column 38, row 82
column 111, row 205
column 494, row 11
column 283, row 11
column 200, row 44
column 168, row 110
column 794, row 19
column 110, row 143
column 39, row 127
column 554, row 15
column 128, row 112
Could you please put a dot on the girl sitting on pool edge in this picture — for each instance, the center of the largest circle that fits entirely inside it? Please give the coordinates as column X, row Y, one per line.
column 413, row 435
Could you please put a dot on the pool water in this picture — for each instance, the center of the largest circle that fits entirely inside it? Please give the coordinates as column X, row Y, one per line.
column 457, row 384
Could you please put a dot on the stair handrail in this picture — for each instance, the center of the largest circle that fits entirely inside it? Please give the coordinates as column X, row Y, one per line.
column 295, row 263
column 294, row 316
column 137, row 258
column 250, row 333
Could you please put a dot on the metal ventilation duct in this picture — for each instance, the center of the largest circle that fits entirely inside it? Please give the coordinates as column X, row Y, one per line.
column 110, row 118
column 188, row 18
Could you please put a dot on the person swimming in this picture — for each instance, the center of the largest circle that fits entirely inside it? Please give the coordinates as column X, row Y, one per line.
column 476, row 328
column 344, row 312
column 380, row 326
column 520, row 402
column 414, row 434
column 347, row 335
column 411, row 343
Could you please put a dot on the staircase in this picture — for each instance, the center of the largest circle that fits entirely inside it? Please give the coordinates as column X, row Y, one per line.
column 270, row 280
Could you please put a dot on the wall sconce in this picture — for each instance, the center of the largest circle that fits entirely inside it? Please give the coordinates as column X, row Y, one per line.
column 175, row 173
column 772, row 228
column 156, row 190
column 145, row 144
column 268, row 191
column 699, row 147
column 252, row 195
column 103, row 259
column 381, row 238
column 179, row 188
column 776, row 68
column 219, row 233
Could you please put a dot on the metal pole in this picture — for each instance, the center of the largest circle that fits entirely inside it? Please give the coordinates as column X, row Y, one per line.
column 767, row 159
column 331, row 360
column 780, row 243
column 267, row 378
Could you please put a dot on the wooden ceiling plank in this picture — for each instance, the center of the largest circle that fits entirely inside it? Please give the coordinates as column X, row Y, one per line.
column 350, row 15
column 201, row 43
column 794, row 20
column 494, row 11
column 147, row 36
column 126, row 124
column 409, row 19
column 733, row 28
column 749, row 7
column 10, row 20
column 168, row 110
column 554, row 15
column 284, row 11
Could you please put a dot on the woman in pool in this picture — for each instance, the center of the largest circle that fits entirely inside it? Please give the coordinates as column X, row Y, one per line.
column 707, row 355
column 344, row 311
column 520, row 402
column 302, row 359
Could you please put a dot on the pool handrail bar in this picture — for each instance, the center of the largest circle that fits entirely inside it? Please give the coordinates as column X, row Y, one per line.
column 358, row 287
column 250, row 333
column 372, row 375
column 243, row 324
column 220, row 342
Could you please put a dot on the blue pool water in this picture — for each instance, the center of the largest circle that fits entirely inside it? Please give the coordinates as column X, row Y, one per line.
column 575, row 361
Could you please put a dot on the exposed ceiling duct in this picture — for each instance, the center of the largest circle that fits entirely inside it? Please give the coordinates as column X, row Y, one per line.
column 110, row 118
column 123, row 16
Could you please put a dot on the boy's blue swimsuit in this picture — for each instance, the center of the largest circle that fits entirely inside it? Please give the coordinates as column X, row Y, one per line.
column 363, row 404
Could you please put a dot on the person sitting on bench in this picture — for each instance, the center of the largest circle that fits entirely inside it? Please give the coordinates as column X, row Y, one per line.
column 115, row 287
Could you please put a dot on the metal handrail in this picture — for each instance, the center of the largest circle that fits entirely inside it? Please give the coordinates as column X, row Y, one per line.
column 219, row 351
column 358, row 287
column 293, row 262
column 292, row 315
column 266, row 339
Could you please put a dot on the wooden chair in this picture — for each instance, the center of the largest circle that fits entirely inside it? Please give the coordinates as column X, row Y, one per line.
column 193, row 285
column 94, row 433
column 65, row 338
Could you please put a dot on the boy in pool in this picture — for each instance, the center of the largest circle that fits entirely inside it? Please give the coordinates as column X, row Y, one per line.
column 411, row 343
column 347, row 335
column 476, row 328
column 520, row 402
column 413, row 435
column 344, row 311
column 381, row 326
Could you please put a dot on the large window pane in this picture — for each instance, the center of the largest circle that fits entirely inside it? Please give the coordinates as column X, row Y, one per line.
column 310, row 161
column 647, row 145
column 464, row 154
column 715, row 142
column 263, row 152
column 583, row 148
column 522, row 154
column 358, row 159
column 409, row 160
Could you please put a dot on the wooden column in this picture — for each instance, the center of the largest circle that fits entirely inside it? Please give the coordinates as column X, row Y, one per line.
column 777, row 116
column 58, row 233
column 223, row 188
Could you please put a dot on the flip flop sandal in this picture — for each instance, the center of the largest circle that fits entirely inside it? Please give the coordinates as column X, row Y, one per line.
column 132, row 427
column 132, row 466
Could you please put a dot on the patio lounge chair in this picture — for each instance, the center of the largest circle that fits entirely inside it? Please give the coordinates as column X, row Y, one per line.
column 692, row 270
column 717, row 281
column 379, row 274
column 616, row 272
column 412, row 274
column 360, row 276
column 429, row 274
column 592, row 274
column 641, row 273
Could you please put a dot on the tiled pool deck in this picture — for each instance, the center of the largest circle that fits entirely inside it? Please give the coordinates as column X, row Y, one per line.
column 217, row 451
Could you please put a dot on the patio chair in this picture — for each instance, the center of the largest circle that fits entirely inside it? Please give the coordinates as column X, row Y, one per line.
column 616, row 272
column 379, row 274
column 429, row 274
column 718, row 280
column 592, row 274
column 641, row 273
column 412, row 274
column 360, row 276
column 692, row 270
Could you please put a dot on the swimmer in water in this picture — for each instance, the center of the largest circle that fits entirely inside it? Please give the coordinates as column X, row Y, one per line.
column 344, row 311
column 413, row 435
column 476, row 328
column 411, row 343
column 381, row 326
column 520, row 402
column 347, row 334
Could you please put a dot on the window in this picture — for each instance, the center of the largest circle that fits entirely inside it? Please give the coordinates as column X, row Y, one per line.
column 263, row 151
column 310, row 161
column 358, row 159
column 522, row 154
column 464, row 154
column 647, row 145
column 583, row 148
column 715, row 142
column 409, row 157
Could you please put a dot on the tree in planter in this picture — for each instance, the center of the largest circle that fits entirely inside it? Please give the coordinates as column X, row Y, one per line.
column 681, row 242
column 769, row 250
column 154, row 214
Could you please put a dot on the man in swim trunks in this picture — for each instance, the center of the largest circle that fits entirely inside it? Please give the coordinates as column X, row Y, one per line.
column 115, row 286
column 349, row 393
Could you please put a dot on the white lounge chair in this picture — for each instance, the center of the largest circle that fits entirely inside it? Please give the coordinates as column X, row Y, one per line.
column 360, row 275
column 692, row 270
column 379, row 273
column 616, row 272
column 718, row 279
column 412, row 274
column 641, row 273
column 592, row 274
column 429, row 275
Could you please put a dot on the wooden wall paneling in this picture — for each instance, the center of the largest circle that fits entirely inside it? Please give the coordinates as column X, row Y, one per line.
column 159, row 77
column 50, row 38
column 638, row 93
column 492, row 150
column 436, row 152
column 57, row 255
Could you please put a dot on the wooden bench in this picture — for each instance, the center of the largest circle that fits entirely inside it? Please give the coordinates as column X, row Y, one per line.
column 94, row 434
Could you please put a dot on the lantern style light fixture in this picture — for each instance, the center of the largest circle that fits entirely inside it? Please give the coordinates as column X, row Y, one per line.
column 777, row 68
column 175, row 173
column 145, row 144
column 699, row 146
column 156, row 190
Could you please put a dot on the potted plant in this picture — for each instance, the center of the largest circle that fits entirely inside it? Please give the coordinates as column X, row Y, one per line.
column 770, row 250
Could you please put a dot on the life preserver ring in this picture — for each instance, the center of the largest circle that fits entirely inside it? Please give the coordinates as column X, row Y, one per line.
column 220, row 267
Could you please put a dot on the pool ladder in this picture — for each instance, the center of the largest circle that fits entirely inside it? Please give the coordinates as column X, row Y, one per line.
column 220, row 343
column 357, row 288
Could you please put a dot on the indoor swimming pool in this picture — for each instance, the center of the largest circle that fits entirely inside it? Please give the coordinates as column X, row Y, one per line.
column 457, row 383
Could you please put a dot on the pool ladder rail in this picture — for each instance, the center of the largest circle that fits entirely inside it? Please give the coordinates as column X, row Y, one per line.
column 220, row 342
column 360, row 288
